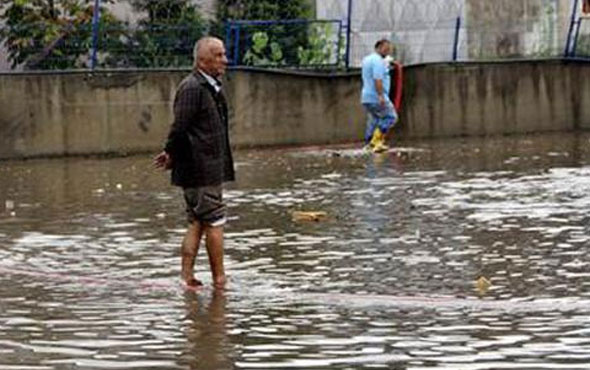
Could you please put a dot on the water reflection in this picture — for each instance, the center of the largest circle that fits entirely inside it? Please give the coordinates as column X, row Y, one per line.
column 208, row 343
column 89, row 264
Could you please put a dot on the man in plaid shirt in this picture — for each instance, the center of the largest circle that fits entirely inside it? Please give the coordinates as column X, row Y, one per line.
column 198, row 153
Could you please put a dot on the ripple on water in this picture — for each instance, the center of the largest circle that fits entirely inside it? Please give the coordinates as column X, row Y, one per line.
column 90, row 280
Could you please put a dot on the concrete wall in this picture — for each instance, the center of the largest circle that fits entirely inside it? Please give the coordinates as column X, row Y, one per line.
column 496, row 98
column 126, row 112
column 294, row 109
column 77, row 113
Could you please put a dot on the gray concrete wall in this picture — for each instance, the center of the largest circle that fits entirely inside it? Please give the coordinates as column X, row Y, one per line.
column 78, row 113
column 126, row 112
column 496, row 98
column 294, row 109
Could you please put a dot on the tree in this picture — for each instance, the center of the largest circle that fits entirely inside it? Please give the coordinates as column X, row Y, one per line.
column 264, row 9
column 49, row 34
column 166, row 35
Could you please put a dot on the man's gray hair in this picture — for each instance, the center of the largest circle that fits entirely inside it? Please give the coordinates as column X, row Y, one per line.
column 201, row 43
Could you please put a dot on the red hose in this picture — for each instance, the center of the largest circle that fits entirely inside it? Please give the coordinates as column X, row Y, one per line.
column 398, row 74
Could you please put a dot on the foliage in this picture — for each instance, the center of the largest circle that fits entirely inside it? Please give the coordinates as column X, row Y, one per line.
column 166, row 36
column 57, row 34
column 263, row 9
column 49, row 34
column 263, row 53
column 288, row 37
column 320, row 47
column 583, row 46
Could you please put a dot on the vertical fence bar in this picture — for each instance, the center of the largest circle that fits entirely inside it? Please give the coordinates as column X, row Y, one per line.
column 456, row 42
column 575, row 46
column 348, row 33
column 569, row 34
column 95, row 29
column 237, row 44
column 228, row 29
column 339, row 44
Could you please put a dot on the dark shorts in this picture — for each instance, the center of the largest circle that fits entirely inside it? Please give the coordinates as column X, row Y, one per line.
column 205, row 204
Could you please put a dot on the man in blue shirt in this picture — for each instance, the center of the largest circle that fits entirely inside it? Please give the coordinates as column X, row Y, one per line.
column 375, row 96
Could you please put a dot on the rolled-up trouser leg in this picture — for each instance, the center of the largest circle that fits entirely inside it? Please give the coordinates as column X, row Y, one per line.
column 382, row 117
column 205, row 205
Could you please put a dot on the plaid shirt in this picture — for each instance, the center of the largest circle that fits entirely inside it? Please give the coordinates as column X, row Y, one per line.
column 198, row 141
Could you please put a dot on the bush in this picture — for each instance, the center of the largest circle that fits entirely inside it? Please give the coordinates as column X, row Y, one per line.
column 166, row 37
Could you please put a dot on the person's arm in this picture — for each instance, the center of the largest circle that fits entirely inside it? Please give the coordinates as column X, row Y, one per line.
column 186, row 104
column 379, row 71
column 380, row 91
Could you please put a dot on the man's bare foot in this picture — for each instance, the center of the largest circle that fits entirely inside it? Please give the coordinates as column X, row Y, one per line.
column 219, row 282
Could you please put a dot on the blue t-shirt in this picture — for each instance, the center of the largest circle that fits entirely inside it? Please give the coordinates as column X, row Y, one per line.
column 374, row 68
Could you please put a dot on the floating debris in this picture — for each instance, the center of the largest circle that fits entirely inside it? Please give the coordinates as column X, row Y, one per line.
column 483, row 285
column 9, row 204
column 299, row 216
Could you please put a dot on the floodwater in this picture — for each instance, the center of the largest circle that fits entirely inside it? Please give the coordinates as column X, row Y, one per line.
column 89, row 261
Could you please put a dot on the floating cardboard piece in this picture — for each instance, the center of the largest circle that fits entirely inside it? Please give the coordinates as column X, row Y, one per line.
column 483, row 285
column 301, row 216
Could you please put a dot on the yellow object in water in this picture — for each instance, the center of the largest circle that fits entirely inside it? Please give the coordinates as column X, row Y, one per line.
column 309, row 216
column 380, row 147
column 378, row 142
column 483, row 285
column 377, row 138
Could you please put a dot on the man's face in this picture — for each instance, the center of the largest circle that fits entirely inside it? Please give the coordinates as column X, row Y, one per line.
column 213, row 61
column 385, row 49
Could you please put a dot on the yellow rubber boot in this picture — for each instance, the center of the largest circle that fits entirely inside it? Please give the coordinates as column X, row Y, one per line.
column 377, row 138
column 378, row 142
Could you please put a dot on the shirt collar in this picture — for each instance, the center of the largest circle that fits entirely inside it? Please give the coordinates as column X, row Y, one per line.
column 211, row 80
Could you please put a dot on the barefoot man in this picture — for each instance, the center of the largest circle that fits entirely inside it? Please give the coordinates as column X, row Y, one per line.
column 199, row 154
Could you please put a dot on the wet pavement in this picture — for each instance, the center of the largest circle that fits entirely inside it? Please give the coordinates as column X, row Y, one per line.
column 89, row 261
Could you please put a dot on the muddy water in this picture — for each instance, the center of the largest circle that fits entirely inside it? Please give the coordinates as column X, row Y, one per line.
column 89, row 261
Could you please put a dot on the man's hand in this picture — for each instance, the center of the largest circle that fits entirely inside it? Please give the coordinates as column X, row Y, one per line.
column 382, row 101
column 163, row 161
